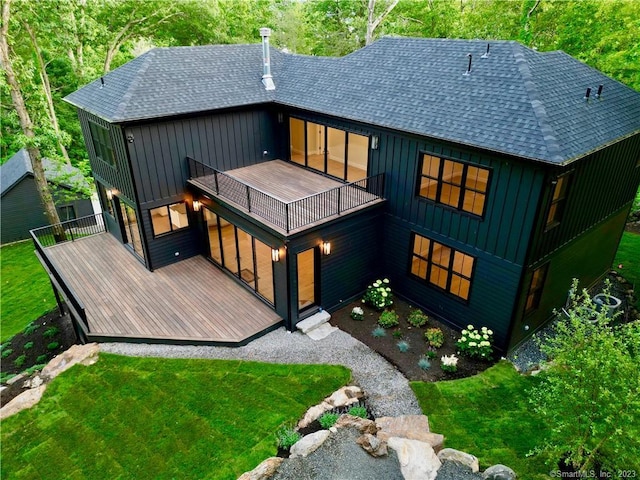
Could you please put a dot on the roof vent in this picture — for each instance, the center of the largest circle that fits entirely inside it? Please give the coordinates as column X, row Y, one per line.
column 599, row 94
column 101, row 82
column 587, row 94
column 267, row 79
column 486, row 54
column 469, row 67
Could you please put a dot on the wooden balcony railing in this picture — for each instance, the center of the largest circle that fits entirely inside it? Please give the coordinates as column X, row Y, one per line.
column 291, row 215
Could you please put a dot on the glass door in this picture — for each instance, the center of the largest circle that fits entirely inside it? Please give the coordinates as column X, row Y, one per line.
column 131, row 228
column 306, row 279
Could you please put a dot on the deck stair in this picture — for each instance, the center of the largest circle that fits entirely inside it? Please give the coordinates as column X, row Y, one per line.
column 316, row 325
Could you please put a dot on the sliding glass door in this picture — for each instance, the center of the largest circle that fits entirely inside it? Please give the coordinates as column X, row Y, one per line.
column 131, row 229
column 306, row 271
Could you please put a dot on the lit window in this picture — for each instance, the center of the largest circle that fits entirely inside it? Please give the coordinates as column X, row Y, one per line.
column 108, row 204
column 558, row 200
column 535, row 288
column 452, row 183
column 442, row 266
column 169, row 218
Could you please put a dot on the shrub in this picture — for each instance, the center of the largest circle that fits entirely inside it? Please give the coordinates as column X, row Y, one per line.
column 29, row 329
column 474, row 343
column 328, row 419
column 358, row 411
column 388, row 319
column 417, row 318
column 403, row 346
column 19, row 361
column 7, row 352
column 41, row 358
column 424, row 363
column 50, row 332
column 434, row 337
column 287, row 437
column 28, row 345
column 449, row 363
column 357, row 313
column 378, row 295
column 35, row 368
column 53, row 345
column 397, row 334
column 430, row 353
column 378, row 332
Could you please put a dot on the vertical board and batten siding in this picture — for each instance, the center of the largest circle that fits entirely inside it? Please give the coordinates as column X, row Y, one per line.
column 20, row 211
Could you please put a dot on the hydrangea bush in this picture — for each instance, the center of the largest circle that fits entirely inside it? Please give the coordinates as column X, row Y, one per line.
column 476, row 343
column 378, row 295
column 449, row 363
column 357, row 313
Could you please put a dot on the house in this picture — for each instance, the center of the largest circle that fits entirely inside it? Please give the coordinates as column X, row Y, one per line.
column 479, row 178
column 21, row 208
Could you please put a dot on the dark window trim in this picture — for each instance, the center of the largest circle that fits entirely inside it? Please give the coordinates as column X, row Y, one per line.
column 562, row 201
column 171, row 229
column 538, row 292
column 466, row 164
column 100, row 135
column 449, row 268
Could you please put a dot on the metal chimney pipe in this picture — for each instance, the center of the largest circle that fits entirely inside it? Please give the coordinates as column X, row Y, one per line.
column 267, row 79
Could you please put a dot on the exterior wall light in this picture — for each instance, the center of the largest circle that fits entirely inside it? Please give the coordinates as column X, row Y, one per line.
column 374, row 142
column 326, row 248
column 110, row 194
column 196, row 206
column 275, row 254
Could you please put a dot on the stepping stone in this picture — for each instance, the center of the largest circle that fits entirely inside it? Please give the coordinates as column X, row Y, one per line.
column 314, row 321
column 321, row 332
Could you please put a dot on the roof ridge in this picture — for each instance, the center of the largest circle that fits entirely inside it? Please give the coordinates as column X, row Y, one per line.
column 146, row 63
column 539, row 110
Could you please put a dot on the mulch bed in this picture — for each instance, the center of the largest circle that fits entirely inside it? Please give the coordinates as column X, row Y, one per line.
column 407, row 362
column 40, row 348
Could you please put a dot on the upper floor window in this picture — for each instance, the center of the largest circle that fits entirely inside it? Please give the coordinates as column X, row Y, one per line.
column 442, row 266
column 102, row 144
column 558, row 200
column 535, row 288
column 459, row 185
column 169, row 218
column 330, row 150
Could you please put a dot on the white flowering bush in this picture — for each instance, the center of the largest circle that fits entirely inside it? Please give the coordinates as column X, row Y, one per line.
column 378, row 295
column 449, row 363
column 476, row 343
column 357, row 313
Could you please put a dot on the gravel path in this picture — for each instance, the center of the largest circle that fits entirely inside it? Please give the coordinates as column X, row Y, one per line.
column 388, row 392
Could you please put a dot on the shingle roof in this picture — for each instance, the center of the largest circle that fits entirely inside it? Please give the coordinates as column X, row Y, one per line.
column 19, row 166
column 516, row 101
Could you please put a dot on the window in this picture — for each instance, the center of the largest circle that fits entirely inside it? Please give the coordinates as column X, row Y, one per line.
column 556, row 209
column 104, row 199
column 535, row 288
column 102, row 144
column 169, row 218
column 442, row 266
column 67, row 212
column 452, row 183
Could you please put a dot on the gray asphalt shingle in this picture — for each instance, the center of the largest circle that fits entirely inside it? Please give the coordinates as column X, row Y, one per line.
column 516, row 101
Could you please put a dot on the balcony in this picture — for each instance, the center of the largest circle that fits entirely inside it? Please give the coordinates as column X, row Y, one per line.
column 286, row 196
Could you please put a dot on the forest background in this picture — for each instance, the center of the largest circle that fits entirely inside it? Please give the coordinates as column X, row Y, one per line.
column 56, row 46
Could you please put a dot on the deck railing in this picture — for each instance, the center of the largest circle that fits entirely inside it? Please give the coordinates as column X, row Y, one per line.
column 288, row 215
column 68, row 231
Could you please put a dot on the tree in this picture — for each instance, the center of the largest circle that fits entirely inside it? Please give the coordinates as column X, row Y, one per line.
column 373, row 22
column 590, row 394
column 25, row 119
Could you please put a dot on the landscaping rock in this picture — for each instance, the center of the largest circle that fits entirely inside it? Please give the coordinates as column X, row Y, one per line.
column 372, row 445
column 313, row 414
column 413, row 427
column 263, row 471
column 362, row 424
column 308, row 444
column 499, row 472
column 345, row 396
column 23, row 401
column 33, row 382
column 84, row 354
column 417, row 459
column 321, row 332
column 15, row 379
column 456, row 471
column 453, row 455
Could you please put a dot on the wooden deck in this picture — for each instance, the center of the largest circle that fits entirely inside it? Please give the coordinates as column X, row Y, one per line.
column 189, row 301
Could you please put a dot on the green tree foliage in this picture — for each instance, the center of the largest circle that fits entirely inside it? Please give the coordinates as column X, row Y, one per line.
column 590, row 394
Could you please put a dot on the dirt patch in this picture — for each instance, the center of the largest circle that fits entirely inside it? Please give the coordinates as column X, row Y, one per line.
column 407, row 362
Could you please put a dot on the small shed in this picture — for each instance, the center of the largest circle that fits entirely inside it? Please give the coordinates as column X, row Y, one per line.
column 20, row 205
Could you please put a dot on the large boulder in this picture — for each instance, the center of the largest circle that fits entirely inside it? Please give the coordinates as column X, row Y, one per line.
column 308, row 444
column 263, row 471
column 372, row 445
column 363, row 425
column 499, row 472
column 413, row 427
column 84, row 354
column 463, row 458
column 417, row 459
column 23, row 401
column 342, row 397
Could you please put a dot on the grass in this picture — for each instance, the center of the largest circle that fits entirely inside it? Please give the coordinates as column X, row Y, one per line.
column 26, row 293
column 487, row 415
column 629, row 257
column 149, row 418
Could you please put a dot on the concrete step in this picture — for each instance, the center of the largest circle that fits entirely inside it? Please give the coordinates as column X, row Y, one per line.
column 314, row 321
column 321, row 332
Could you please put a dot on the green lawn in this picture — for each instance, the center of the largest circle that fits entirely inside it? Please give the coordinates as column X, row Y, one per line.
column 26, row 293
column 488, row 416
column 147, row 418
column 629, row 256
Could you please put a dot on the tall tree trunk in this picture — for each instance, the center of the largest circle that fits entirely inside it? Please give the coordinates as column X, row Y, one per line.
column 373, row 22
column 46, row 86
column 25, row 119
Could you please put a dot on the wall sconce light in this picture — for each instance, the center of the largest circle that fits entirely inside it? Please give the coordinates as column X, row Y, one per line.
column 110, row 194
column 280, row 117
column 196, row 206
column 275, row 254
column 130, row 138
column 374, row 142
column 326, row 248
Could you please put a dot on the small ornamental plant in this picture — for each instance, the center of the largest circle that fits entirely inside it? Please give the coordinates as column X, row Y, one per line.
column 430, row 353
column 378, row 332
column 388, row 319
column 476, row 343
column 424, row 363
column 403, row 346
column 378, row 295
column 434, row 337
column 449, row 363
column 358, row 411
column 417, row 318
column 357, row 313
column 328, row 420
column 287, row 437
